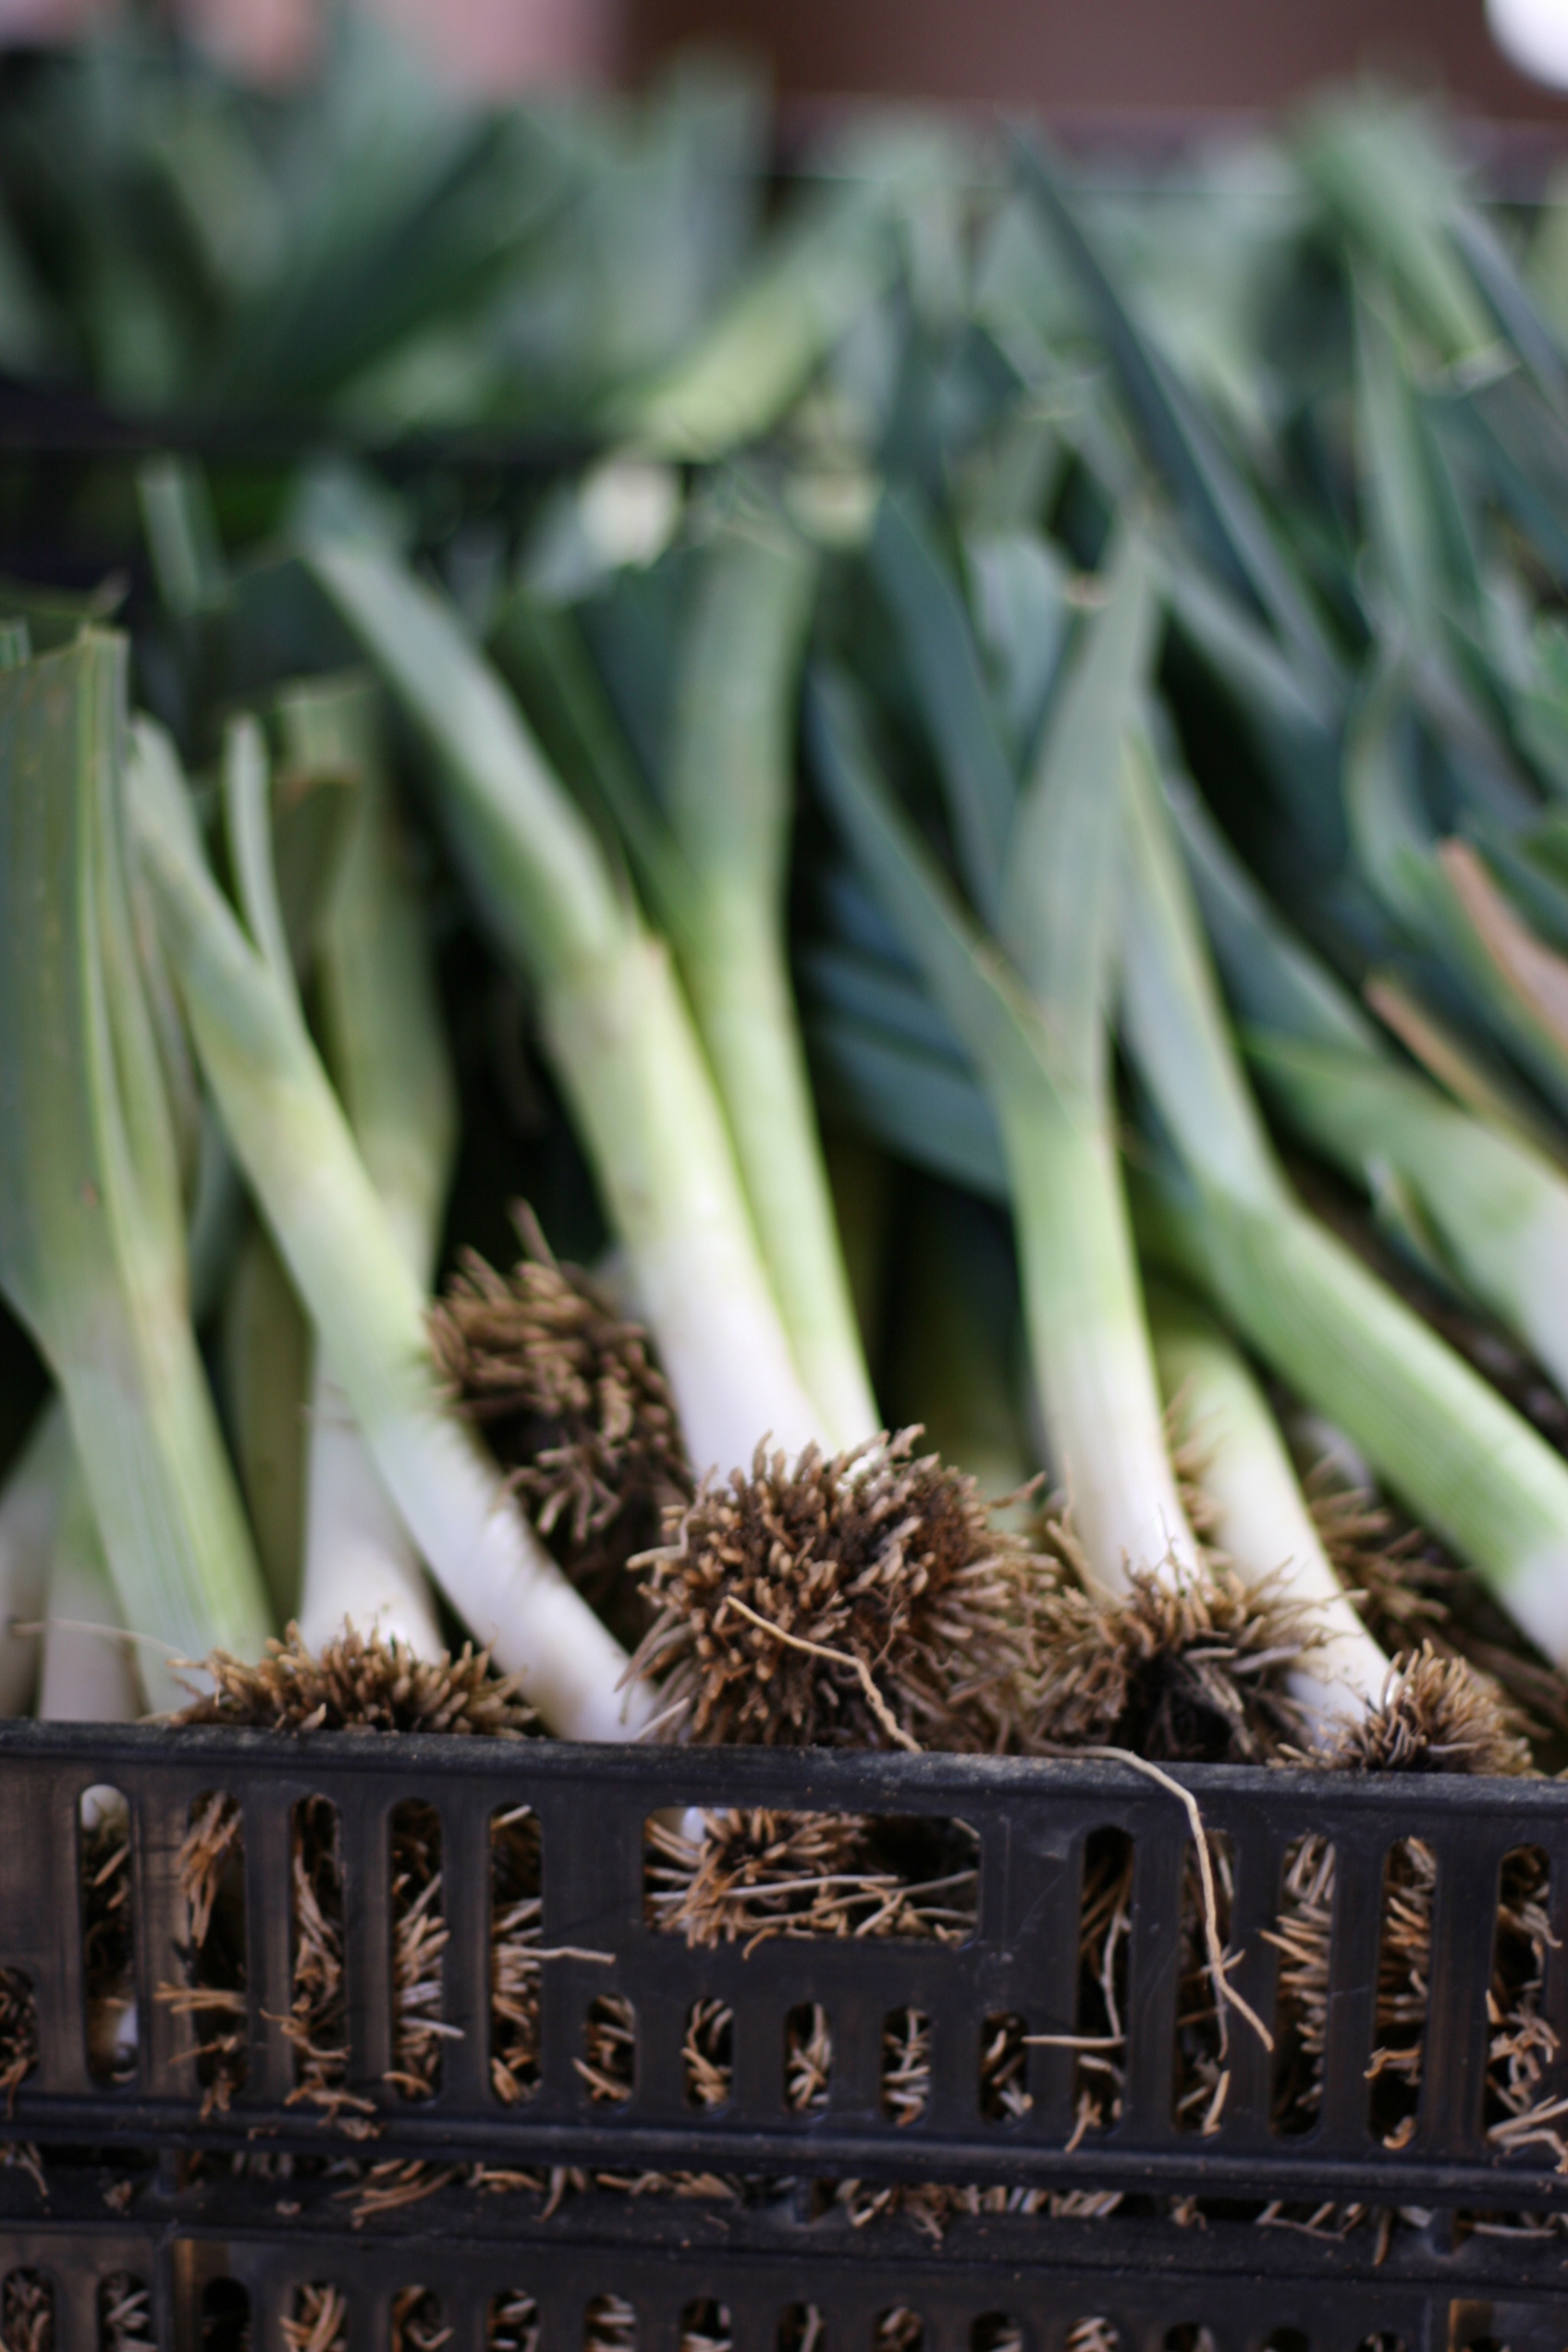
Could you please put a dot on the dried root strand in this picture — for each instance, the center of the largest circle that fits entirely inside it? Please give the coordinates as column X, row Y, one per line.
column 572, row 1403
column 1186, row 1669
column 125, row 2314
column 419, row 1942
column 359, row 1683
column 707, row 2052
column 317, row 2025
column 609, row 2325
column 706, row 2328
column 808, row 2059
column 861, row 1600
column 417, row 2322
column 514, row 2324
column 1203, row 2073
column 1105, row 1928
column 906, row 2064
column 320, row 2321
column 514, row 1956
column 27, row 2313
column 608, row 2065
column 212, row 1956
column 18, row 2032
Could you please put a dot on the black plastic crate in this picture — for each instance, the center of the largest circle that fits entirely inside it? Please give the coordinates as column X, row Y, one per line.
column 593, row 1804
column 221, row 2266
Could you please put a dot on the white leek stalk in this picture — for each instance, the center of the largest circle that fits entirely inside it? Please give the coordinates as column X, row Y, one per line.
column 30, row 1512
column 614, row 1019
column 1468, row 1466
column 728, row 798
column 264, row 1357
column 1088, row 1333
column 387, row 1054
column 87, row 1675
column 291, row 1137
column 1262, row 1523
column 953, row 1371
column 91, row 1221
column 1036, row 1028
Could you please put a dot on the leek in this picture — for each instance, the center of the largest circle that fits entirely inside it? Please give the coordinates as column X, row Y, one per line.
column 265, row 1356
column 1467, row 1465
column 291, row 1137
column 1262, row 1523
column 1034, row 1022
column 92, row 1222
column 1495, row 1207
column 953, row 1369
column 86, row 1675
column 29, row 1512
column 614, row 1021
column 385, row 1048
column 729, row 804
column 753, row 360
column 712, row 853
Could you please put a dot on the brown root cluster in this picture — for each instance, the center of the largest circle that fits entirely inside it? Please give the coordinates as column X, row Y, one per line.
column 573, row 1406
column 859, row 1600
column 359, row 1683
column 1188, row 1669
column 1410, row 1594
column 752, row 1876
column 1434, row 1715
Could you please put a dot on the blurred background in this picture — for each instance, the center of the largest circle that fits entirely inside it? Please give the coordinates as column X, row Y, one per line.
column 1062, row 56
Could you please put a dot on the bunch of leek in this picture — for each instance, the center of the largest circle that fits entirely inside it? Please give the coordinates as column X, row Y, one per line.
column 1032, row 1007
column 344, row 1254
column 92, row 1250
column 709, row 837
